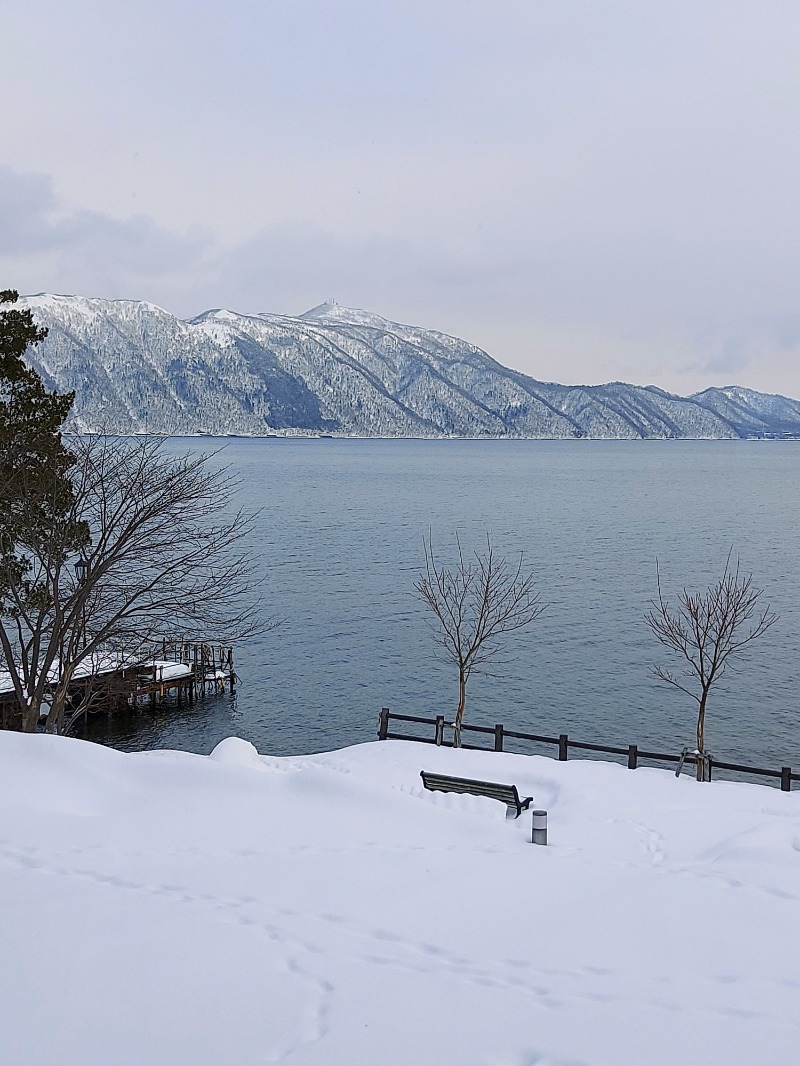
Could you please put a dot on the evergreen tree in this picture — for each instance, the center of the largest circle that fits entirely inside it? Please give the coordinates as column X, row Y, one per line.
column 36, row 493
column 107, row 548
column 34, row 482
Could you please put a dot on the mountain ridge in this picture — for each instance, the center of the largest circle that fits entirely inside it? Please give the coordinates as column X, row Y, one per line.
column 343, row 371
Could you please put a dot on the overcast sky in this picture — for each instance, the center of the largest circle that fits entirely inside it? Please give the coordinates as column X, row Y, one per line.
column 590, row 190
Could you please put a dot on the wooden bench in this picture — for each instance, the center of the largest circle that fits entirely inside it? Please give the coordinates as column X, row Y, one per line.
column 505, row 793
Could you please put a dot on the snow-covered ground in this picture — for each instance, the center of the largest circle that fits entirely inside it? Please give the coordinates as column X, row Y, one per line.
column 162, row 909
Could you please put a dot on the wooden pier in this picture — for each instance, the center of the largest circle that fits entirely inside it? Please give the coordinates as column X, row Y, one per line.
column 183, row 673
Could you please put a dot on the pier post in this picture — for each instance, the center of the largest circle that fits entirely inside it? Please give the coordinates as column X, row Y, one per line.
column 231, row 671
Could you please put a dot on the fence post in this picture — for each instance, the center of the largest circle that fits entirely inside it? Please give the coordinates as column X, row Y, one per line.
column 563, row 745
column 498, row 737
column 439, row 730
column 786, row 779
column 709, row 764
column 681, row 761
column 383, row 723
column 633, row 755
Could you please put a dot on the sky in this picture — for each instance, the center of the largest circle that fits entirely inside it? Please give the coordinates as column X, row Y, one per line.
column 589, row 191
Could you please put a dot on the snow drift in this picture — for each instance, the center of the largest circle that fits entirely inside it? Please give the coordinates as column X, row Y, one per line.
column 161, row 909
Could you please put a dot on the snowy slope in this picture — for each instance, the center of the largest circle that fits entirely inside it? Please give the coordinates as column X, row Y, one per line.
column 165, row 909
column 134, row 367
column 753, row 413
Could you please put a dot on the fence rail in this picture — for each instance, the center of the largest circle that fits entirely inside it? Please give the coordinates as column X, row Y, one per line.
column 633, row 752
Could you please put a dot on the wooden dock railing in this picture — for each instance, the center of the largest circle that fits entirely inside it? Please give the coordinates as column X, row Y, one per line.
column 186, row 671
column 633, row 752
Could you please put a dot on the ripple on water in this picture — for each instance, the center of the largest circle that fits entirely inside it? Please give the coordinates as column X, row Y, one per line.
column 339, row 540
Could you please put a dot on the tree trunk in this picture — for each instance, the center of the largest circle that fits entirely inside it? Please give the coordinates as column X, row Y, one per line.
column 30, row 718
column 55, row 717
column 700, row 760
column 462, row 699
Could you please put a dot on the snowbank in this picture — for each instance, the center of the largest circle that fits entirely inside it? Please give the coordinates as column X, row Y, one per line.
column 162, row 909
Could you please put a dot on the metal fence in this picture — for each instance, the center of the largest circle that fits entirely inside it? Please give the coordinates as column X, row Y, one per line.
column 635, row 755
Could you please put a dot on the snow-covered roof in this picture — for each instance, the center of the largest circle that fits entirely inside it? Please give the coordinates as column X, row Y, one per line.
column 102, row 664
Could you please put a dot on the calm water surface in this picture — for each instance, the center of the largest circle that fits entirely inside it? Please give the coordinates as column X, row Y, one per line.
column 339, row 540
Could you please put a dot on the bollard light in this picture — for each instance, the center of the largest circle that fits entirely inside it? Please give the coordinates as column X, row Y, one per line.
column 539, row 828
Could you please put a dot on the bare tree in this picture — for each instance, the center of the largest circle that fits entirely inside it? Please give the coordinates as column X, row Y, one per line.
column 706, row 630
column 160, row 558
column 475, row 604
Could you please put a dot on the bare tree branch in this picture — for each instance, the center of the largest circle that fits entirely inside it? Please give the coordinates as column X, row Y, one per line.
column 475, row 604
column 164, row 561
column 706, row 630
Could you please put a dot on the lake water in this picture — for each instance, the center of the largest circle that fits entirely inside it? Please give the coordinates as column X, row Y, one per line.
column 339, row 541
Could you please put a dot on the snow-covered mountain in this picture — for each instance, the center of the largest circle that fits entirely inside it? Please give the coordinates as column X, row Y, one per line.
column 753, row 414
column 134, row 367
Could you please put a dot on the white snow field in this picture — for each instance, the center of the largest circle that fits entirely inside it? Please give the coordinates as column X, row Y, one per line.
column 162, row 909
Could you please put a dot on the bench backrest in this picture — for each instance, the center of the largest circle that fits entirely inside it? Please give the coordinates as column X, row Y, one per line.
column 492, row 789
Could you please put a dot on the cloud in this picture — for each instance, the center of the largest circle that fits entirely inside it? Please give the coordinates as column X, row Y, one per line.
column 26, row 201
column 734, row 354
column 42, row 243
